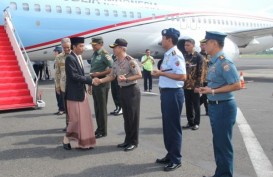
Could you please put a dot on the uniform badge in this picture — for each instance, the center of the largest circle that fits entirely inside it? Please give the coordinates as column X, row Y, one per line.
column 221, row 57
column 108, row 57
column 173, row 52
column 226, row 67
column 177, row 63
column 132, row 65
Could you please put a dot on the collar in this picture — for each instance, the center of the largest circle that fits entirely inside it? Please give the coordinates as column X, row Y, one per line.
column 170, row 50
column 215, row 57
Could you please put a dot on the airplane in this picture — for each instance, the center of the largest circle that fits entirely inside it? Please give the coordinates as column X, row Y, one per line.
column 42, row 24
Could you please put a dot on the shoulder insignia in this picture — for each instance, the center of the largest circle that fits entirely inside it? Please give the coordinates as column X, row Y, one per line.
column 132, row 64
column 174, row 52
column 177, row 63
column 226, row 66
column 129, row 58
column 108, row 57
column 104, row 51
column 221, row 57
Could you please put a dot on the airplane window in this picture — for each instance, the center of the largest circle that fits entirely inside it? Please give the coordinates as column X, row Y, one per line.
column 37, row 7
column 239, row 23
column 214, row 21
column 132, row 15
column 106, row 12
column 97, row 12
column 205, row 20
column 226, row 22
column 124, row 14
column 223, row 22
column 48, row 8
column 199, row 20
column 218, row 21
column 115, row 13
column 13, row 6
column 183, row 20
column 87, row 11
column 78, row 10
column 209, row 21
column 193, row 20
column 68, row 10
column 58, row 9
column 243, row 23
column 235, row 23
column 138, row 15
column 25, row 7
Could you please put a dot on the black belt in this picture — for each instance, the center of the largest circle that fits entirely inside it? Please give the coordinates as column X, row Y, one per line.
column 218, row 101
column 126, row 86
column 168, row 89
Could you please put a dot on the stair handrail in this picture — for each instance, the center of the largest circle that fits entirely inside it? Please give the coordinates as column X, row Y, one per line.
column 22, row 57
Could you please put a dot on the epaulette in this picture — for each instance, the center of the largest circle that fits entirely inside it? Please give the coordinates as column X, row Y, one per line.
column 173, row 52
column 221, row 57
column 129, row 58
column 103, row 51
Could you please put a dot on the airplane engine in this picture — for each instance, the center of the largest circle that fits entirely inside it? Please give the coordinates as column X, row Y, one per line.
column 231, row 49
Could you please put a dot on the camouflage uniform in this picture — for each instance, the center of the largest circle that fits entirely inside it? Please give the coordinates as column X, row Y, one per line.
column 101, row 61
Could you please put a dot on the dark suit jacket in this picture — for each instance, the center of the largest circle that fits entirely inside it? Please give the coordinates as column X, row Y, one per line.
column 75, row 79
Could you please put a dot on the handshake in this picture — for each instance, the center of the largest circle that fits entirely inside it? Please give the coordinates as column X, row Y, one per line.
column 203, row 90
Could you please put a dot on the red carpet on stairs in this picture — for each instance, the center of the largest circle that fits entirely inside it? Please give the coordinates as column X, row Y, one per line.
column 14, row 93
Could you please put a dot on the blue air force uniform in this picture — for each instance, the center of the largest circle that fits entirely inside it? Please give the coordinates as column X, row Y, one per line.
column 172, row 98
column 222, row 108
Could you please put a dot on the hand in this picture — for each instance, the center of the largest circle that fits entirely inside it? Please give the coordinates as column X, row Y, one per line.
column 197, row 90
column 89, row 90
column 96, row 81
column 122, row 78
column 156, row 72
column 58, row 91
column 205, row 90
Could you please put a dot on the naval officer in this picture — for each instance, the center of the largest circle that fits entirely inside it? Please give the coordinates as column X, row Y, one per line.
column 223, row 79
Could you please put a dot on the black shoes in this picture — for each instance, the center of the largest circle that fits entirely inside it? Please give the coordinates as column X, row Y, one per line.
column 164, row 160
column 117, row 111
column 172, row 166
column 99, row 135
column 130, row 147
column 67, row 146
column 122, row 145
column 195, row 127
column 188, row 126
column 127, row 147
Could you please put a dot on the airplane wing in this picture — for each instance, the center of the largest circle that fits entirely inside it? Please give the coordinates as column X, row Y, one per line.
column 243, row 38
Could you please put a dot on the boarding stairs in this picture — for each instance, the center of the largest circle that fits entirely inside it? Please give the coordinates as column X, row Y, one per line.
column 18, row 88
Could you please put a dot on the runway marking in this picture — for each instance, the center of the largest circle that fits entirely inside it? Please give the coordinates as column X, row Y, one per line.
column 260, row 162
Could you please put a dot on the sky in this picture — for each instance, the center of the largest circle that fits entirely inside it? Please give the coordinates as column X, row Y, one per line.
column 254, row 7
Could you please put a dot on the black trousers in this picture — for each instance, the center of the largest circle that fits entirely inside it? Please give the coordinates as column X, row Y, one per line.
column 100, row 97
column 204, row 99
column 192, row 102
column 115, row 92
column 147, row 78
column 38, row 68
column 130, row 103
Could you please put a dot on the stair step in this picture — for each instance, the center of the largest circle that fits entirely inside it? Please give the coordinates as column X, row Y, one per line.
column 16, row 100
column 17, row 106
column 9, row 68
column 10, row 73
column 8, row 62
column 5, row 47
column 5, row 86
column 7, row 80
column 3, row 34
column 8, row 57
column 7, row 52
column 14, row 93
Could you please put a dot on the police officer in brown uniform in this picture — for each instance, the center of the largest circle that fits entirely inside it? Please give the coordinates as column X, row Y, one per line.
column 126, row 69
